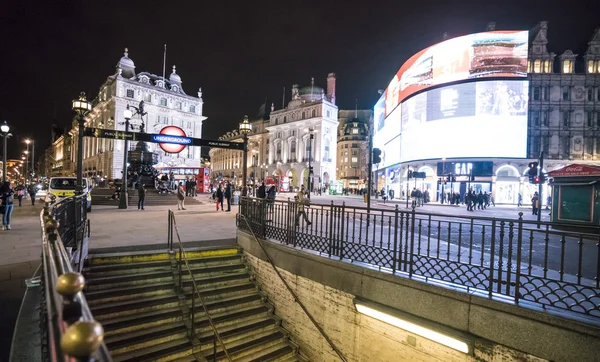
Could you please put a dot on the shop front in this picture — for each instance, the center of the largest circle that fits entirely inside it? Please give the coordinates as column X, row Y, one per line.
column 476, row 176
column 576, row 195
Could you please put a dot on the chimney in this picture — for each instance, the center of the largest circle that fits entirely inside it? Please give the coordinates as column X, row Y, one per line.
column 491, row 26
column 331, row 87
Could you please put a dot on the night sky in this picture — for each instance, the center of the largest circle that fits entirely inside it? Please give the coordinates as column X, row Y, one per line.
column 239, row 52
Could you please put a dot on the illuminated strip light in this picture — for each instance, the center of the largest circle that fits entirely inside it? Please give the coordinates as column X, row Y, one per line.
column 432, row 335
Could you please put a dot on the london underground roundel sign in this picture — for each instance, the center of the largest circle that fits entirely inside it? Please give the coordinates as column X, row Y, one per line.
column 172, row 139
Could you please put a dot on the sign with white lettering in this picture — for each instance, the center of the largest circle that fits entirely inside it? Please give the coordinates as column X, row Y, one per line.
column 479, row 168
column 576, row 170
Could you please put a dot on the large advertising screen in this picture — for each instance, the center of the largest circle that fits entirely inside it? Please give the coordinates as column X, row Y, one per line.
column 481, row 55
column 481, row 119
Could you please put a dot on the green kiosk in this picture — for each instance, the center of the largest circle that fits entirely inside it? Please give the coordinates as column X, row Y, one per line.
column 576, row 194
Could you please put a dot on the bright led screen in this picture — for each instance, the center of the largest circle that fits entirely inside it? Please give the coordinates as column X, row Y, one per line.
column 481, row 55
column 479, row 119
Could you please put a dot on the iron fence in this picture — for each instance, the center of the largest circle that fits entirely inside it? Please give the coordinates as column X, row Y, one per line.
column 509, row 259
column 73, row 226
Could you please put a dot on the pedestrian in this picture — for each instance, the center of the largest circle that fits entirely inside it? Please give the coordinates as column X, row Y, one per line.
column 301, row 201
column 180, row 197
column 141, row 196
column 172, row 183
column 413, row 196
column 219, row 195
column 193, row 184
column 534, row 204
column 7, row 193
column 261, row 193
column 520, row 201
column 20, row 192
column 32, row 191
column 136, row 180
column 227, row 196
column 548, row 202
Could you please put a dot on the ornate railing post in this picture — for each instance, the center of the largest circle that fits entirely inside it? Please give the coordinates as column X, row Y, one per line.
column 519, row 256
column 412, row 242
column 395, row 259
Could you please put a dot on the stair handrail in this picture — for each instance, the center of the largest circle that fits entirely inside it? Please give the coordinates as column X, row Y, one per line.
column 183, row 257
column 65, row 307
column 294, row 296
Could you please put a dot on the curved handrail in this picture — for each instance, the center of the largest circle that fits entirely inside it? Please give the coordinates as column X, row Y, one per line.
column 55, row 262
column 294, row 296
column 183, row 255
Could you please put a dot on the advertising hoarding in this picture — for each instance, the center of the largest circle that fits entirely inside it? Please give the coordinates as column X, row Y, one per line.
column 482, row 119
column 488, row 54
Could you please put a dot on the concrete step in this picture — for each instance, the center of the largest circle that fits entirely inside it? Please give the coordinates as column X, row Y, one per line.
column 168, row 351
column 99, row 258
column 233, row 317
column 236, row 332
column 133, row 322
column 278, row 352
column 248, row 345
column 128, row 342
column 101, row 296
column 129, row 280
column 129, row 267
column 140, row 305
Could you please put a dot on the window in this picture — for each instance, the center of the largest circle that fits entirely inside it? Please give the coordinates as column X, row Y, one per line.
column 178, row 105
column 345, row 153
column 354, row 130
column 566, row 94
column 326, row 155
column 537, row 66
column 565, row 146
column 546, row 144
column 598, row 94
column 148, row 97
column 284, row 119
column 328, row 113
column 529, row 66
column 591, row 68
column 293, row 149
column 276, row 120
column 590, row 94
column 345, row 159
column 163, row 120
column 565, row 118
column 163, row 102
column 303, row 115
column 536, row 93
column 590, row 119
column 535, row 118
column 589, row 145
column 355, row 145
column 346, row 145
column 548, row 66
column 546, row 91
column 354, row 159
column 545, row 120
column 314, row 112
column 535, row 145
column 130, row 93
column 567, row 66
column 293, row 133
column 192, row 109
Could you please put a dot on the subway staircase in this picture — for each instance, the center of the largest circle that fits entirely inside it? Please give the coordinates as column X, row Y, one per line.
column 146, row 317
column 103, row 196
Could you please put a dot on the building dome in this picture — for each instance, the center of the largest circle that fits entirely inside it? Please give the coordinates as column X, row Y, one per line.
column 311, row 93
column 174, row 78
column 126, row 65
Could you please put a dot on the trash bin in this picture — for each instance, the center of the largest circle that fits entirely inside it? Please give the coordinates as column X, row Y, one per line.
column 236, row 197
column 365, row 196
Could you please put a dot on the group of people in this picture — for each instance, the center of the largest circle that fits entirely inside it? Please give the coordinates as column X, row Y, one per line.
column 223, row 192
column 418, row 197
column 23, row 190
column 479, row 201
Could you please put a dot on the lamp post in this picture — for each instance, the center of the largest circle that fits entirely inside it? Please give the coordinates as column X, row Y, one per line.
column 128, row 114
column 310, row 169
column 81, row 106
column 4, row 128
column 245, row 128
column 28, row 142
column 26, row 152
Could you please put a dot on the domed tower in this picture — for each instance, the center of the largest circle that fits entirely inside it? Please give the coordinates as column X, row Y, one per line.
column 175, row 80
column 126, row 65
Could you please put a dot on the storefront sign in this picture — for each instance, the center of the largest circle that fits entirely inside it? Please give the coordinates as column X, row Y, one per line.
column 576, row 170
column 465, row 168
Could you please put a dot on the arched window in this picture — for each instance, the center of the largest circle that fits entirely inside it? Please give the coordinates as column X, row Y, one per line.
column 567, row 66
column 314, row 112
column 293, row 149
column 276, row 120
column 326, row 157
column 547, row 66
column 284, row 119
column 537, row 66
column 303, row 115
column 278, row 151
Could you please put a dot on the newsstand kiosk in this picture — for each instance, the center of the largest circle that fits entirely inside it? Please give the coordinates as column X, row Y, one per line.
column 576, row 194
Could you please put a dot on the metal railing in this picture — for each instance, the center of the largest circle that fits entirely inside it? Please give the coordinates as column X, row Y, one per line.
column 505, row 259
column 68, row 328
column 73, row 227
column 290, row 290
column 181, row 260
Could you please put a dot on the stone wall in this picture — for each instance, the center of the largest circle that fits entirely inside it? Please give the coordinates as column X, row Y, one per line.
column 359, row 337
column 498, row 331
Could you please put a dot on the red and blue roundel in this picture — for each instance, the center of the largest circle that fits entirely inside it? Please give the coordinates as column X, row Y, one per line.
column 172, row 139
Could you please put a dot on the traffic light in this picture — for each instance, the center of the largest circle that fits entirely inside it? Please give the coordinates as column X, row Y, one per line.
column 410, row 175
column 376, row 156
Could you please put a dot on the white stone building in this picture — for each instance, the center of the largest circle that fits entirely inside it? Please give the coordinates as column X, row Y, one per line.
column 165, row 102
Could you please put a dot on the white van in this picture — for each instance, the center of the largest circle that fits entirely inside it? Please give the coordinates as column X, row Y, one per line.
column 61, row 187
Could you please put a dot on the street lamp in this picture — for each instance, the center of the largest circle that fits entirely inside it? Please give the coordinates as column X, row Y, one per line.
column 4, row 128
column 81, row 106
column 30, row 141
column 245, row 128
column 310, row 169
column 128, row 114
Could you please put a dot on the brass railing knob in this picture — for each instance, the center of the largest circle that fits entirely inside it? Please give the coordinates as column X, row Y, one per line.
column 82, row 339
column 69, row 284
column 51, row 225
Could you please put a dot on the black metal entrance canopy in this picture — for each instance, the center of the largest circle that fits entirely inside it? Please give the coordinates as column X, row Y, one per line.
column 160, row 138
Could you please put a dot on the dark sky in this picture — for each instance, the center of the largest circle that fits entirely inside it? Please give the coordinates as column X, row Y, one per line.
column 240, row 52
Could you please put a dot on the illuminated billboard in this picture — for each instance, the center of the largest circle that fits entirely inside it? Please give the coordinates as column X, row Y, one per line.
column 481, row 55
column 481, row 119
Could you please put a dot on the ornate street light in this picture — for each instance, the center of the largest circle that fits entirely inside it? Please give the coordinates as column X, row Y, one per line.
column 81, row 106
column 4, row 128
column 245, row 128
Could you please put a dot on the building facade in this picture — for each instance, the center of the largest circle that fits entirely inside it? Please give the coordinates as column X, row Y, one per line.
column 562, row 98
column 166, row 104
column 282, row 142
column 353, row 148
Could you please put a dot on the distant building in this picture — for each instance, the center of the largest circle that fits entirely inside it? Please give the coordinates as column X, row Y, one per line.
column 352, row 148
column 166, row 103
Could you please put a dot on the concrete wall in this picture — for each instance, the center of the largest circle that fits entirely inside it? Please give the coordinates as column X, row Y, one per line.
column 500, row 332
